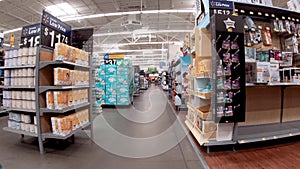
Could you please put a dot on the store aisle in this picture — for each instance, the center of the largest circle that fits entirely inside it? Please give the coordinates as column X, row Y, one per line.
column 147, row 131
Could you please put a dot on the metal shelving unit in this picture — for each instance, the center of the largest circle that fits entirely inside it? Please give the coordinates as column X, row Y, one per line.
column 42, row 74
column 17, row 67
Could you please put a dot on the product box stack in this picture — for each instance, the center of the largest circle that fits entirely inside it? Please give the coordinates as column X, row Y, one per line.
column 124, row 82
column 115, row 83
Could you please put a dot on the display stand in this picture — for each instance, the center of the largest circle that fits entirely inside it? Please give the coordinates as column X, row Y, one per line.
column 31, row 115
column 265, row 108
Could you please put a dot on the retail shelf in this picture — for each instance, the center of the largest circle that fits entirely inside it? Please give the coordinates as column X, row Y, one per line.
column 18, row 109
column 47, row 63
column 202, row 95
column 17, row 67
column 46, row 88
column 200, row 113
column 248, row 134
column 53, row 136
column 196, row 133
column 45, row 110
column 18, row 87
column 198, row 77
column 26, row 133
column 3, row 111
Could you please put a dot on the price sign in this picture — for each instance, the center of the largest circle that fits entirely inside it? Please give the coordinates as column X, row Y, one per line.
column 30, row 36
column 110, row 62
column 54, row 31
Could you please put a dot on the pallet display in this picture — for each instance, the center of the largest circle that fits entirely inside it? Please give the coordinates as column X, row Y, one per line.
column 47, row 85
column 116, row 82
column 251, row 71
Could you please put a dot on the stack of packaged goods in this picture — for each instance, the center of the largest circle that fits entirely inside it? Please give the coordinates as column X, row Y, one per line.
column 64, row 125
column 115, row 83
column 22, row 122
column 64, row 52
column 124, row 82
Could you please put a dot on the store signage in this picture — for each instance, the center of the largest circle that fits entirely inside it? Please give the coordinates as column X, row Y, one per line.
column 30, row 36
column 220, row 4
column 54, row 31
column 110, row 62
column 116, row 56
column 1, row 39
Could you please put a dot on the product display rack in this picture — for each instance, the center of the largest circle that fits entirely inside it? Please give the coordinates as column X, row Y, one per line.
column 273, row 116
column 42, row 85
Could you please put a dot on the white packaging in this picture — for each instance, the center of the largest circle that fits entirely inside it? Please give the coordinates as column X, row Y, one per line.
column 30, row 81
column 33, row 59
column 24, row 60
column 25, row 72
column 19, row 104
column 25, row 52
column 32, row 96
column 7, row 81
column 20, row 72
column 27, row 95
column 30, row 60
column 33, row 105
column 12, row 82
column 35, row 129
column 27, row 127
column 27, row 119
column 7, row 73
column 30, row 51
column 23, row 95
column 22, row 126
column 18, row 125
column 20, row 52
column 19, row 61
column 24, row 105
column 14, row 95
column 19, row 95
column 14, row 61
column 13, row 103
column 16, row 81
column 32, row 128
column 30, row 72
column 28, row 105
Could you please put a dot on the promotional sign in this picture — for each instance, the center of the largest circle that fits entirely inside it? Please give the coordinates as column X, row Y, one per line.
column 30, row 36
column 220, row 7
column 110, row 62
column 54, row 31
column 12, row 40
column 114, row 56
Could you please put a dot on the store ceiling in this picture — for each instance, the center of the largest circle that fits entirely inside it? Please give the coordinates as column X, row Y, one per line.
column 143, row 42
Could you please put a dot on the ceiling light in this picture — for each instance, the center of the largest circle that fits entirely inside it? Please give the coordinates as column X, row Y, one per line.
column 146, row 32
column 61, row 9
column 13, row 30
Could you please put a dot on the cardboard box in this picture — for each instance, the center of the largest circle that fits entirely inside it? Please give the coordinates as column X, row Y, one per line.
column 122, row 71
column 111, row 88
column 122, row 80
column 61, row 52
column 122, row 89
column 203, row 42
column 49, row 100
column 61, row 76
column 257, row 72
column 60, row 99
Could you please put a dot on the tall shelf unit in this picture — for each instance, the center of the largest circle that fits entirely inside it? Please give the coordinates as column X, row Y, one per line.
column 39, row 104
column 251, row 110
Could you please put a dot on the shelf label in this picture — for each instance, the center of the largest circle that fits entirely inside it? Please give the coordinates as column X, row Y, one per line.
column 30, row 36
column 219, row 4
column 54, row 31
column 114, row 56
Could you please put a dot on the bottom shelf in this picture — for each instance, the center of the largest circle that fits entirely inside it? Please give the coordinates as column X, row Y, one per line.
column 248, row 134
column 26, row 133
column 53, row 136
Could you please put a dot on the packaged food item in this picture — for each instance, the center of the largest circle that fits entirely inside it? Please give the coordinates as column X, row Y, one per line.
column 50, row 100
column 70, row 98
column 61, row 52
column 61, row 76
column 267, row 38
column 73, row 77
column 60, row 99
column 74, row 54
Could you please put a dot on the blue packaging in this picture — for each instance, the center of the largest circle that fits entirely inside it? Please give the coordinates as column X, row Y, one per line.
column 122, row 71
column 122, row 89
column 123, row 100
column 126, row 63
column 122, row 80
column 111, row 100
column 111, row 69
column 111, row 79
column 111, row 89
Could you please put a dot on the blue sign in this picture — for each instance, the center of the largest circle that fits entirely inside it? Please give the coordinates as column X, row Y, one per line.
column 106, row 57
column 220, row 4
column 31, row 30
column 56, row 24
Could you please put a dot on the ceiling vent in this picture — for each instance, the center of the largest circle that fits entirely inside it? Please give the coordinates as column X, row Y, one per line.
column 132, row 21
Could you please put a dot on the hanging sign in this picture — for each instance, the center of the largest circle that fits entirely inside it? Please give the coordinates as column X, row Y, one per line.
column 12, row 40
column 1, row 40
column 30, row 36
column 54, row 31
column 220, row 7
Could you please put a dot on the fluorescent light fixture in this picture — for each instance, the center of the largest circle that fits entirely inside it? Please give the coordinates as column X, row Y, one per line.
column 61, row 9
column 146, row 32
column 13, row 30
column 129, row 51
column 127, row 13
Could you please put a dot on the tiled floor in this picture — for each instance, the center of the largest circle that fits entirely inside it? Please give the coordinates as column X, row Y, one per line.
column 86, row 154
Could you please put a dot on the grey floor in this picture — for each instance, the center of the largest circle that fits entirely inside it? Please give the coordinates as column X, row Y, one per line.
column 86, row 154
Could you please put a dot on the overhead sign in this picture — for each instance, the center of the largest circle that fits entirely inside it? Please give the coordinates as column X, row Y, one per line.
column 1, row 39
column 54, row 31
column 114, row 56
column 30, row 36
column 221, row 4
